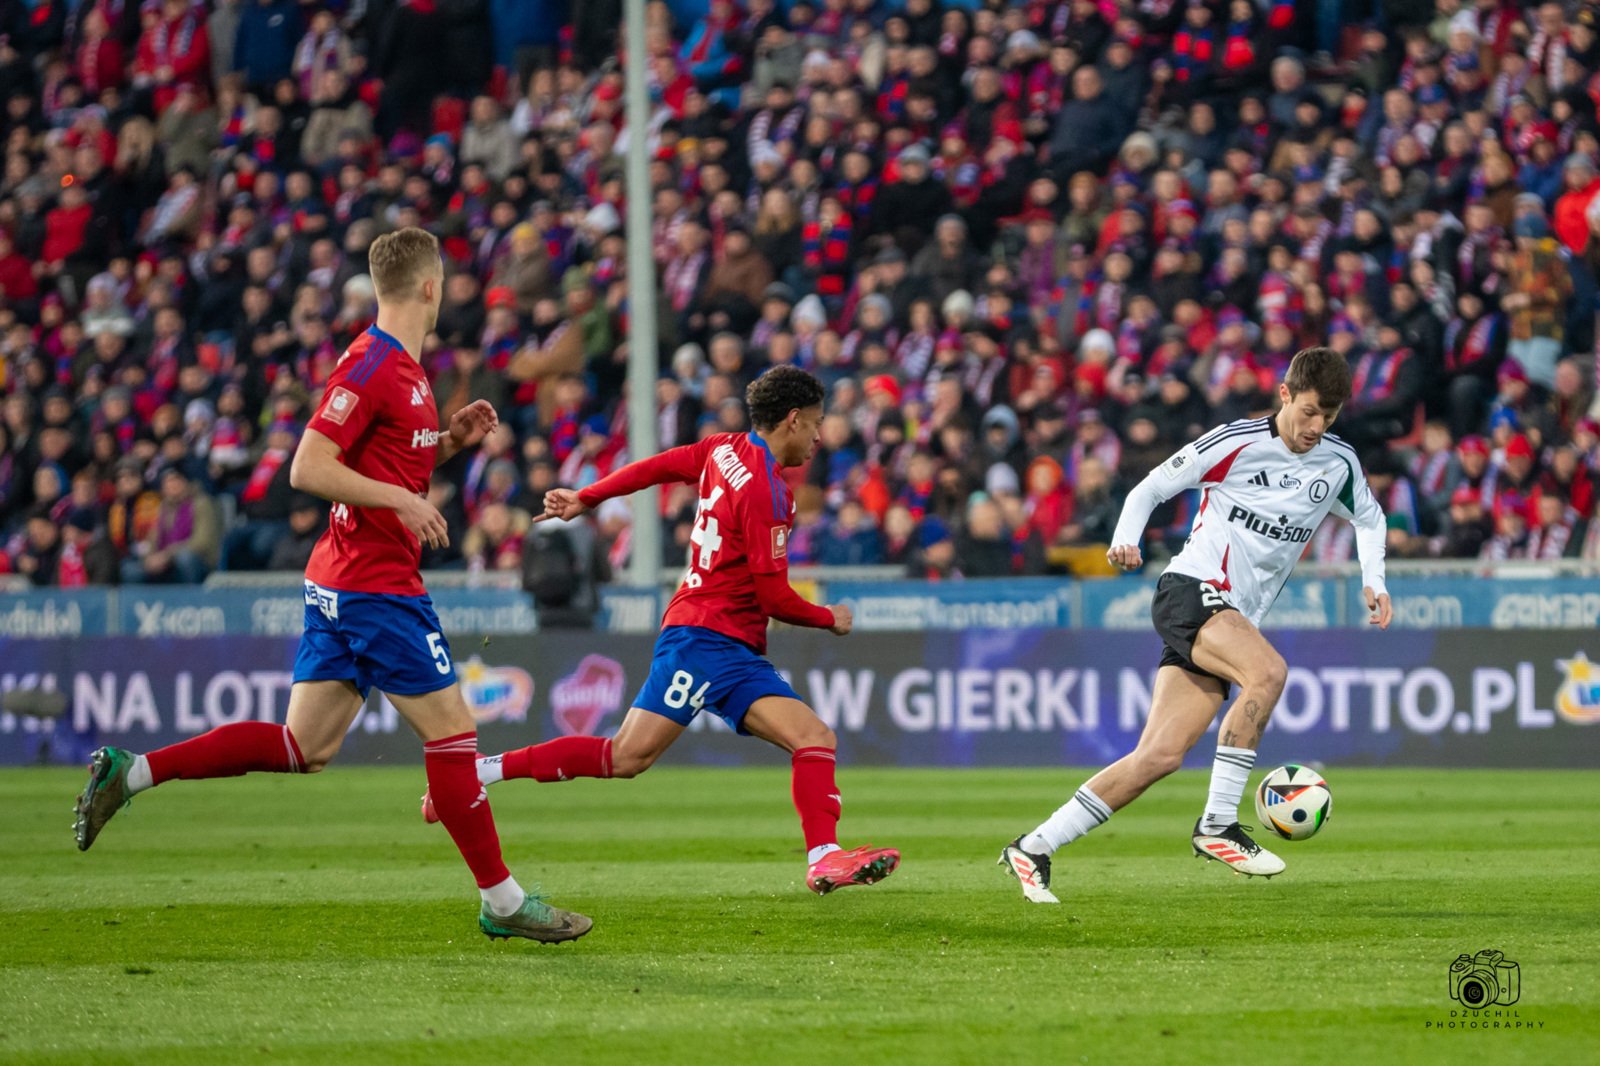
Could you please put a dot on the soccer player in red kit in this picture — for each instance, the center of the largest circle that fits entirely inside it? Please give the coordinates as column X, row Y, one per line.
column 710, row 655
column 370, row 449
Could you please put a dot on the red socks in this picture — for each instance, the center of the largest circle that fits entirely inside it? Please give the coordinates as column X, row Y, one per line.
column 229, row 751
column 816, row 797
column 560, row 760
column 463, row 805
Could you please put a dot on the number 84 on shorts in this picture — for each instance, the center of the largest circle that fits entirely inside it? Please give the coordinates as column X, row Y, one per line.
column 697, row 669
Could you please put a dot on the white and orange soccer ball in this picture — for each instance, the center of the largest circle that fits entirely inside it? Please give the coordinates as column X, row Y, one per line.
column 1293, row 802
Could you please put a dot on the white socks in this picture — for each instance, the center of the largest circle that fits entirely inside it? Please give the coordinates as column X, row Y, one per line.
column 1076, row 817
column 1229, row 775
column 815, row 854
column 139, row 777
column 503, row 899
column 490, row 770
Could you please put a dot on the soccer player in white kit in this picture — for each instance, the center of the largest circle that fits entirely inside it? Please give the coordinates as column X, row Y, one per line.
column 1266, row 484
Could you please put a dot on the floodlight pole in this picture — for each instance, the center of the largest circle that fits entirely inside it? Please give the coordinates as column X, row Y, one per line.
column 643, row 361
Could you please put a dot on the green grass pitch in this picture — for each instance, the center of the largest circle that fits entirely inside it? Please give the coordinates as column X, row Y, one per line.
column 320, row 921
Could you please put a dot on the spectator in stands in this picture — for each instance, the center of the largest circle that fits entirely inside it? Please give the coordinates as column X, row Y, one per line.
column 984, row 549
column 1510, row 539
column 1468, row 529
column 854, row 540
column 264, row 503
column 1557, row 530
column 174, row 51
column 903, row 206
column 1094, row 507
column 1540, row 283
column 1087, row 131
column 182, row 544
column 308, row 521
column 495, row 541
column 936, row 557
column 264, row 43
column 187, row 255
column 337, row 112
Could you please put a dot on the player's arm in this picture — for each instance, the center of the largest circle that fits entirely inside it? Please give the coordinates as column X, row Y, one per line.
column 1181, row 472
column 318, row 469
column 673, row 466
column 1357, row 504
column 764, row 526
column 467, row 429
column 779, row 600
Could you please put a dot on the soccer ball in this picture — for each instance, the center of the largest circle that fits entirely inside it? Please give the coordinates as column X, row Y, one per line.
column 1293, row 802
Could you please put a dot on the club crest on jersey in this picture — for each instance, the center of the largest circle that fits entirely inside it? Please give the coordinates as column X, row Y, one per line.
column 340, row 403
column 780, row 542
column 1319, row 490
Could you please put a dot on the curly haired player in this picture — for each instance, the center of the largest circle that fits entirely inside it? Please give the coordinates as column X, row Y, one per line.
column 710, row 655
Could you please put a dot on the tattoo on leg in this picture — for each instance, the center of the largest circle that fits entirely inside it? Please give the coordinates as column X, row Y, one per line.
column 1254, row 715
column 1228, row 738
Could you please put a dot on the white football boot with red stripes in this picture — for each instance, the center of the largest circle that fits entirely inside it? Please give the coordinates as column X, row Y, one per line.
column 1233, row 847
column 1031, row 871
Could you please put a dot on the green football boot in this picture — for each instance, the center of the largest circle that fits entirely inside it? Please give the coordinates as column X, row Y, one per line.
column 535, row 920
column 104, row 795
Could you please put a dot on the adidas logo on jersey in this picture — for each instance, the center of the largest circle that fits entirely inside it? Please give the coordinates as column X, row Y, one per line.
column 416, row 397
column 1262, row 480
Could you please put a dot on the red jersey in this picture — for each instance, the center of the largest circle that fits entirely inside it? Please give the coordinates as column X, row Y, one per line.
column 741, row 530
column 379, row 410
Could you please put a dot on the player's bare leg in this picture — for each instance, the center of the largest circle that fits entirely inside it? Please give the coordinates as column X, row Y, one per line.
column 319, row 714
column 1230, row 646
column 450, row 751
column 811, row 745
column 1182, row 706
column 643, row 738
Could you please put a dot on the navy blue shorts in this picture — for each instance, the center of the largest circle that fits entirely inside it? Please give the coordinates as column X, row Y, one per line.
column 697, row 669
column 389, row 643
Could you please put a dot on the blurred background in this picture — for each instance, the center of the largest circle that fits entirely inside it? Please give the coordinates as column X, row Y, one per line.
column 1030, row 248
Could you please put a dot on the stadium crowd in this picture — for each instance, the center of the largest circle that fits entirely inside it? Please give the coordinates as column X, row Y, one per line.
column 1031, row 248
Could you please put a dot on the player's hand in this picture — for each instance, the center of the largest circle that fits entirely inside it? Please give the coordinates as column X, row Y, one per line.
column 843, row 619
column 563, row 504
column 1126, row 556
column 472, row 423
column 424, row 521
column 1378, row 607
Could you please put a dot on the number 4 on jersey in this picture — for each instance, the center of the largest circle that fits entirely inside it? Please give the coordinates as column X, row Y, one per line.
column 705, row 537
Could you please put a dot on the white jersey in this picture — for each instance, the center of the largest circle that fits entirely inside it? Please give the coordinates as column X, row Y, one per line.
column 1259, row 505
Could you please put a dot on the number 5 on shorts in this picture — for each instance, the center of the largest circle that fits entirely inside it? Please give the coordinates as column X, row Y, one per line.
column 440, row 653
column 677, row 694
